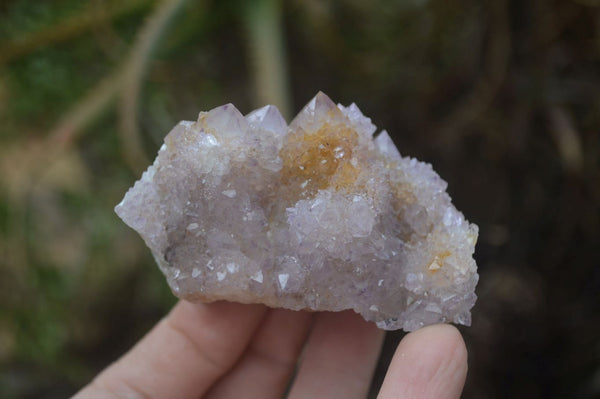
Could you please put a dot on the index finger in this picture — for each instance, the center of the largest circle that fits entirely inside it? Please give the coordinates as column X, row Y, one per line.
column 183, row 355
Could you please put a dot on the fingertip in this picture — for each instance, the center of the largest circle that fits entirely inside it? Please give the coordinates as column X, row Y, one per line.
column 444, row 337
column 428, row 363
column 452, row 360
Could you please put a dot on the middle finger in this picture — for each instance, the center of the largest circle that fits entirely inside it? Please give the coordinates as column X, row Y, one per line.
column 267, row 365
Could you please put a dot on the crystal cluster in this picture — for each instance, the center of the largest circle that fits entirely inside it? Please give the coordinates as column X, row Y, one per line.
column 316, row 215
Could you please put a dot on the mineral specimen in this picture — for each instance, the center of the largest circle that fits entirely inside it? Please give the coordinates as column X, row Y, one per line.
column 315, row 215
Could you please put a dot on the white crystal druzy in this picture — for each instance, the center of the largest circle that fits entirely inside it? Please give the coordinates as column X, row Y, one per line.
column 315, row 215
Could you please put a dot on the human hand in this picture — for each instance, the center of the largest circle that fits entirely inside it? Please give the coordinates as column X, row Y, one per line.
column 229, row 350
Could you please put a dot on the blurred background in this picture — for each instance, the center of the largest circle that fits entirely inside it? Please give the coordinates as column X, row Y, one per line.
column 501, row 96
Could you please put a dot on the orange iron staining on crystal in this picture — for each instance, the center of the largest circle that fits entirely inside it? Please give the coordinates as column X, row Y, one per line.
column 314, row 161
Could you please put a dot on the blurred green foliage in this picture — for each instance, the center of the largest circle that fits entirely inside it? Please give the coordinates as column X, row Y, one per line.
column 502, row 96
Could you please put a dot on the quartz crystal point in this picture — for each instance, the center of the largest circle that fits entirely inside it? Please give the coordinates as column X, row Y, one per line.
column 315, row 215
